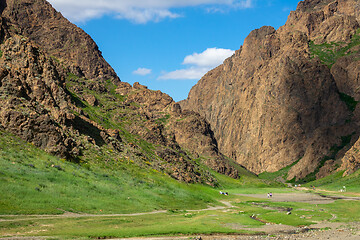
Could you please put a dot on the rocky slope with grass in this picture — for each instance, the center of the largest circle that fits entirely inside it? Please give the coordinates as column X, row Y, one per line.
column 58, row 93
column 289, row 95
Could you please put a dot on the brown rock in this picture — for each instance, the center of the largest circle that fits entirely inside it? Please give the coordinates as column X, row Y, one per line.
column 271, row 103
column 137, row 85
column 327, row 169
column 168, row 125
column 68, row 44
column 351, row 160
column 91, row 100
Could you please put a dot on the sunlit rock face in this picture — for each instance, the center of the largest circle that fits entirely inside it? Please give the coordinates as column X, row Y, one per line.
column 284, row 95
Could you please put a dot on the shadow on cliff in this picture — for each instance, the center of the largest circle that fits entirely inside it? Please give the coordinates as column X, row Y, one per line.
column 88, row 129
column 84, row 127
column 3, row 5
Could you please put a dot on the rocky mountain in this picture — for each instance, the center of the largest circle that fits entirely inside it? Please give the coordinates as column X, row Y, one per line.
column 58, row 93
column 289, row 96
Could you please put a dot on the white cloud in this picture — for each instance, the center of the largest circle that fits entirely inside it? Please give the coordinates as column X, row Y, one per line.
column 142, row 71
column 185, row 74
column 200, row 63
column 146, row 15
column 241, row 4
column 138, row 11
column 244, row 4
column 211, row 57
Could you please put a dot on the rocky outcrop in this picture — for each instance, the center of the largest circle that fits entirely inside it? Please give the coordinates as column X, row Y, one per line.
column 32, row 95
column 168, row 125
column 280, row 98
column 351, row 160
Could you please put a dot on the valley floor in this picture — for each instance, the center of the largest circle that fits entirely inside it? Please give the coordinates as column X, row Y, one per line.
column 327, row 229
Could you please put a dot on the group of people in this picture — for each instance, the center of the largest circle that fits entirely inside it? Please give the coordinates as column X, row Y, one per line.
column 269, row 195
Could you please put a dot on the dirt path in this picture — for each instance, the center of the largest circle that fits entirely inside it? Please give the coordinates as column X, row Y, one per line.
column 293, row 197
column 72, row 215
column 77, row 215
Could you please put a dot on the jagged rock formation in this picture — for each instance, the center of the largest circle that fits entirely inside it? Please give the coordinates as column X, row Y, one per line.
column 286, row 95
column 184, row 129
column 57, row 92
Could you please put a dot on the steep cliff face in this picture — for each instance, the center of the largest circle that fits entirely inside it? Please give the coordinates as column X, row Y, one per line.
column 285, row 95
column 57, row 92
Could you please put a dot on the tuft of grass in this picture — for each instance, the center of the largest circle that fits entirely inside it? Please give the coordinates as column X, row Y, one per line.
column 163, row 120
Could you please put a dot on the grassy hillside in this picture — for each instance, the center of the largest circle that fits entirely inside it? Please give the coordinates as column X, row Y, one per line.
column 336, row 182
column 34, row 182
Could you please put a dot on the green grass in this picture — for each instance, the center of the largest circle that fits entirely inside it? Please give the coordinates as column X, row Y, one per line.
column 345, row 211
column 281, row 173
column 32, row 183
column 163, row 120
column 239, row 219
column 55, row 59
column 328, row 53
column 184, row 223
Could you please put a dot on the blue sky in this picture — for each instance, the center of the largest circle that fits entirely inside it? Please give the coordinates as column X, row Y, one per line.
column 168, row 45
